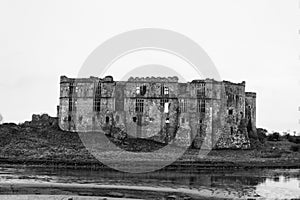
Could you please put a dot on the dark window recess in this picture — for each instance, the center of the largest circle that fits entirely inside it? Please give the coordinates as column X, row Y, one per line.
column 182, row 105
column 242, row 114
column 139, row 105
column 200, row 121
column 230, row 111
column 163, row 101
column 164, row 90
column 200, row 93
column 230, row 98
column 134, row 119
column 117, row 118
column 182, row 120
column 97, row 104
column 70, row 104
column 143, row 90
column 71, row 91
column 69, row 118
column 201, row 105
column 231, row 130
column 201, row 90
column 97, row 99
column 107, row 119
column 202, row 108
column 80, row 118
column 237, row 98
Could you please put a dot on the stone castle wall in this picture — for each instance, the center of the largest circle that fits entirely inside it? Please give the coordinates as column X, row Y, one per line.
column 202, row 113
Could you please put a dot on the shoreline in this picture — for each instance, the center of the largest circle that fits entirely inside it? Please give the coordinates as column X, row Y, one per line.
column 121, row 191
column 177, row 165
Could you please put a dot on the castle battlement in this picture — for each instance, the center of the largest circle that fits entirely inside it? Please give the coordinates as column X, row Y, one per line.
column 173, row 79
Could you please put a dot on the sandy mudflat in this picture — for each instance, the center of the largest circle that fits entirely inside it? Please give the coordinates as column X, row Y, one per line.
column 57, row 197
column 139, row 191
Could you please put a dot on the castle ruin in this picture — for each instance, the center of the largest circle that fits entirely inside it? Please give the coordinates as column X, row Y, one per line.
column 160, row 109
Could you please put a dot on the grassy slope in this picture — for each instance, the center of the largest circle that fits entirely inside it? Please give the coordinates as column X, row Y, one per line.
column 45, row 142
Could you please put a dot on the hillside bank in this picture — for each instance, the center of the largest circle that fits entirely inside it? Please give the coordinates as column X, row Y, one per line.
column 41, row 142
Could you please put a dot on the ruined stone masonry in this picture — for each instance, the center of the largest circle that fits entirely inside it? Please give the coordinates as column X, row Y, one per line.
column 201, row 113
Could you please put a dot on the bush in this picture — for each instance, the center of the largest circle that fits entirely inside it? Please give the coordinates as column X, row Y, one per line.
column 295, row 148
column 294, row 139
column 255, row 144
column 274, row 136
column 261, row 134
column 252, row 134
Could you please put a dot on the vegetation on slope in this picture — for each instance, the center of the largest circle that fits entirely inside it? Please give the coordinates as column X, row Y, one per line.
column 42, row 140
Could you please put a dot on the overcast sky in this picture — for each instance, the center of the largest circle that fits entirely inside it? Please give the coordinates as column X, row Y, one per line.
column 252, row 40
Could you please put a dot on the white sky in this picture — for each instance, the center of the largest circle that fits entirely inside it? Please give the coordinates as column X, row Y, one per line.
column 252, row 40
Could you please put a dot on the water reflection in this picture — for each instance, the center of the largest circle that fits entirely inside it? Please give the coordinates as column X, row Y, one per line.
column 222, row 183
column 280, row 187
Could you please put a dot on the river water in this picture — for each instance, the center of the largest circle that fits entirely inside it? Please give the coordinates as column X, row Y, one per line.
column 229, row 183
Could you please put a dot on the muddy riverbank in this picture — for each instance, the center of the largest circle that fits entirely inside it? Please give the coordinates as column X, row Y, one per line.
column 178, row 165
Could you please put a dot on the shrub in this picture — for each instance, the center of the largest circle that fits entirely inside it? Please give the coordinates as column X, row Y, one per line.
column 255, row 144
column 261, row 134
column 252, row 134
column 295, row 148
column 274, row 136
column 294, row 139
